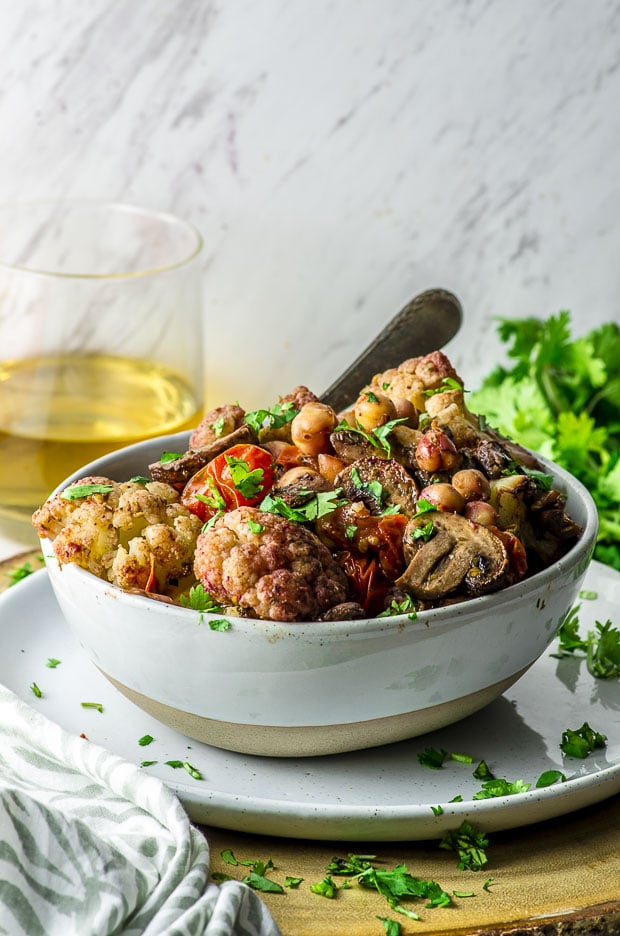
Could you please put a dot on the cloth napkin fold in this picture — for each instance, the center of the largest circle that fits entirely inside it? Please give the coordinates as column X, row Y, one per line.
column 90, row 844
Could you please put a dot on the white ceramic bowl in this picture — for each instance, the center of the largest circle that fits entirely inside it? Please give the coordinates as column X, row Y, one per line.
column 277, row 689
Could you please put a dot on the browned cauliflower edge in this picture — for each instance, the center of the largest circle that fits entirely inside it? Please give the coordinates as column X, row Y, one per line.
column 133, row 534
column 268, row 567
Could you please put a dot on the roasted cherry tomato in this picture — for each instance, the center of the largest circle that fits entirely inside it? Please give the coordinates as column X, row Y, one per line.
column 239, row 477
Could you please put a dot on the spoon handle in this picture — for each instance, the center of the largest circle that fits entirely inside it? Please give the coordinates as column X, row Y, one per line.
column 425, row 324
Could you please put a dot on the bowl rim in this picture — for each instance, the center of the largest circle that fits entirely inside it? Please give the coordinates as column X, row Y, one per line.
column 578, row 556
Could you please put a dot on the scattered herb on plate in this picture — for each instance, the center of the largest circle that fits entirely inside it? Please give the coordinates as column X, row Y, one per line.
column 601, row 646
column 581, row 742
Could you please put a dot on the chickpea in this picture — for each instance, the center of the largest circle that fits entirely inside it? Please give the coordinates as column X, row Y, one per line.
column 406, row 410
column 312, row 427
column 436, row 451
column 472, row 484
column 479, row 511
column 330, row 466
column 373, row 409
column 443, row 496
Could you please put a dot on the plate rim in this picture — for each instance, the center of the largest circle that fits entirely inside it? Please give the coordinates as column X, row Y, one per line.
column 199, row 802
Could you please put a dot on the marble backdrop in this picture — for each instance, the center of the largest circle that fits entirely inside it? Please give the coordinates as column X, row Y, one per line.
column 339, row 156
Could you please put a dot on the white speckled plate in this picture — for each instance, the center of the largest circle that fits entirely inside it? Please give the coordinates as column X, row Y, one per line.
column 376, row 795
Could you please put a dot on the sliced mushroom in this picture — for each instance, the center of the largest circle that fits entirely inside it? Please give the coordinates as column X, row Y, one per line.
column 493, row 458
column 298, row 485
column 378, row 483
column 178, row 471
column 346, row 611
column 350, row 445
column 458, row 554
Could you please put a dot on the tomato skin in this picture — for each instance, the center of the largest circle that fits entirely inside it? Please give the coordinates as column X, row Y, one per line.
column 215, row 482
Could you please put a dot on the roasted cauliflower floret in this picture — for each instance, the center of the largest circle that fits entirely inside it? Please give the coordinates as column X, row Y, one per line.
column 133, row 534
column 89, row 539
column 140, row 505
column 55, row 513
column 268, row 567
column 414, row 377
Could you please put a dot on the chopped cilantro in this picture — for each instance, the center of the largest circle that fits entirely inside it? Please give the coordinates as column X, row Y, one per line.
column 432, row 758
column 582, row 741
column 75, row 491
column 177, row 764
column 549, row 777
column 371, row 488
column 169, row 456
column 220, row 624
column 406, row 606
column 424, row 506
column 199, row 599
column 218, row 426
column 378, row 438
column 274, row 418
column 601, row 646
column 292, row 882
column 325, row 887
column 17, row 575
column 254, row 527
column 390, row 927
column 249, row 482
column 482, row 771
column 469, row 844
column 423, row 533
column 52, row 663
column 36, row 691
column 145, row 740
column 140, row 479
column 448, row 383
column 147, row 763
column 500, row 787
column 319, row 505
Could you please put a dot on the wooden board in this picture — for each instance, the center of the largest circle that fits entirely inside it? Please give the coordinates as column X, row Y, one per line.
column 558, row 877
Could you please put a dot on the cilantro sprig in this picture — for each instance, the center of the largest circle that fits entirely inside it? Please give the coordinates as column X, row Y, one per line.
column 262, row 420
column 601, row 646
column 560, row 396
column 317, row 505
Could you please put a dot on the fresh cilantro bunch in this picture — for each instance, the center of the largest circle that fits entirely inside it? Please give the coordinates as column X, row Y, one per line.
column 560, row 396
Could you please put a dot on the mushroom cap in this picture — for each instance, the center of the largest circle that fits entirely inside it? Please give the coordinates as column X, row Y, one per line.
column 457, row 554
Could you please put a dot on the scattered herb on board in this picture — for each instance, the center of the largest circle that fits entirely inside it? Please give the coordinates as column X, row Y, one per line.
column 20, row 573
column 469, row 844
column 560, row 396
column 52, row 663
column 256, row 878
column 394, row 885
column 92, row 705
column 36, row 691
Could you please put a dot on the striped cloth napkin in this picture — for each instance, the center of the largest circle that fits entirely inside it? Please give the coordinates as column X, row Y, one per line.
column 89, row 844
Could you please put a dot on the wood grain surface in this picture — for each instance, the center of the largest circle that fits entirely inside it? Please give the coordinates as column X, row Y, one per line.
column 558, row 877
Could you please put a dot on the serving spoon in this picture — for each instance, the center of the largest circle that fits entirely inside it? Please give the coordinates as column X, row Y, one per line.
column 425, row 324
